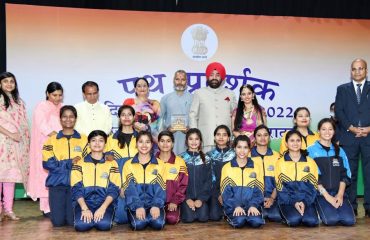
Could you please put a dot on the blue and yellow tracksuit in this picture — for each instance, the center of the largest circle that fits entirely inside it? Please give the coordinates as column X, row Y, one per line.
column 57, row 153
column 332, row 170
column 242, row 187
column 94, row 181
column 199, row 187
column 297, row 182
column 307, row 141
column 218, row 158
column 145, row 187
column 121, row 155
column 269, row 161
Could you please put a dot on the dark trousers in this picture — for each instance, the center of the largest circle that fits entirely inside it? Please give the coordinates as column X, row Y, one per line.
column 272, row 213
column 292, row 217
column 333, row 216
column 104, row 224
column 120, row 215
column 189, row 216
column 353, row 152
column 156, row 224
column 60, row 201
column 245, row 220
column 215, row 209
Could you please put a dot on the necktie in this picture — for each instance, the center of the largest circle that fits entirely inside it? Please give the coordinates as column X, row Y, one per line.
column 358, row 93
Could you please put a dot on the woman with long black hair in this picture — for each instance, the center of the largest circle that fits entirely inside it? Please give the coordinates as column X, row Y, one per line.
column 14, row 143
column 122, row 146
column 248, row 114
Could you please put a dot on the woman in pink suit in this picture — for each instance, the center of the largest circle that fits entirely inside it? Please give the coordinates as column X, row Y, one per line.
column 45, row 123
column 14, row 143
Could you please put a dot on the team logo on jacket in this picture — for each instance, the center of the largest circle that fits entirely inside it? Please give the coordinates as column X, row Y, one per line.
column 155, row 172
column 104, row 175
column 270, row 168
column 77, row 149
column 173, row 170
column 336, row 162
column 253, row 175
column 306, row 169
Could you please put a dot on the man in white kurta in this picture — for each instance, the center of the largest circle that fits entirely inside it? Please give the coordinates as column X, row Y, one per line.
column 212, row 105
column 91, row 114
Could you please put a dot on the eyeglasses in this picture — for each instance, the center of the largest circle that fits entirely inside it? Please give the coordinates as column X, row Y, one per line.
column 360, row 69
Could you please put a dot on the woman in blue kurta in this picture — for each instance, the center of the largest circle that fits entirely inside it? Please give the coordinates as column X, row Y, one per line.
column 95, row 182
column 334, row 175
column 242, row 187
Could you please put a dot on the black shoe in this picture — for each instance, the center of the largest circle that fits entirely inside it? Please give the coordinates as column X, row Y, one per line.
column 47, row 215
column 355, row 211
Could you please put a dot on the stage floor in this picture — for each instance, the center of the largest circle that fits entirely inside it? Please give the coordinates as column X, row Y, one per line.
column 34, row 226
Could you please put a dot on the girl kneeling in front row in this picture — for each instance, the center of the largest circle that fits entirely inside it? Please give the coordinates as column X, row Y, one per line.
column 176, row 176
column 144, row 186
column 296, row 183
column 269, row 157
column 95, row 182
column 198, row 192
column 334, row 175
column 219, row 156
column 242, row 187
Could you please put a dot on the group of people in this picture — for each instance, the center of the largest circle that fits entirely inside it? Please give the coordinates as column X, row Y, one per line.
column 189, row 157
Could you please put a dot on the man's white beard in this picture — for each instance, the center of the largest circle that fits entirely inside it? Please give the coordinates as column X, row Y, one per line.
column 179, row 89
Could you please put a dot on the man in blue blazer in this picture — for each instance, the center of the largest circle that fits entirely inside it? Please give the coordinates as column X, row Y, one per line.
column 352, row 110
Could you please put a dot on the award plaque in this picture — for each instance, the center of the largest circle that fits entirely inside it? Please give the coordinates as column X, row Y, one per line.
column 178, row 122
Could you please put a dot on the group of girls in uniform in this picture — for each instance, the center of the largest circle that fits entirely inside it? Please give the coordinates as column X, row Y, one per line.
column 244, row 183
column 97, row 180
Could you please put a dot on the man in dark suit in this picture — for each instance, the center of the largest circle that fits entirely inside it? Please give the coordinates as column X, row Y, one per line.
column 352, row 110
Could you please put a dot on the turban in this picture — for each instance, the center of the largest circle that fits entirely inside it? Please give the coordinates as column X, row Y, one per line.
column 218, row 67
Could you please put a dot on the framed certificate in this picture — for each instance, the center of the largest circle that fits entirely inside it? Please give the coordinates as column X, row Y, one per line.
column 178, row 122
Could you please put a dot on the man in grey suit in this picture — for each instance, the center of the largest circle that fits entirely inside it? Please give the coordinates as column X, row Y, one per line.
column 212, row 105
column 352, row 110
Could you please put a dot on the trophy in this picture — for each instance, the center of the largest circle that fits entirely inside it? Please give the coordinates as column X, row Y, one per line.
column 178, row 122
